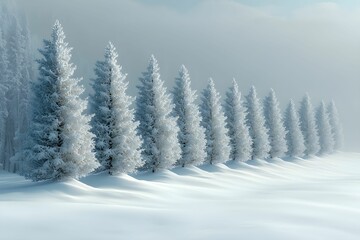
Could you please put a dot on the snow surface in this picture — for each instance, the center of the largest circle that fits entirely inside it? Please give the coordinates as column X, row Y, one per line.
column 317, row 198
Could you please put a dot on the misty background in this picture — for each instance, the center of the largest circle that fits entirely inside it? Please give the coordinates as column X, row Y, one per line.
column 291, row 46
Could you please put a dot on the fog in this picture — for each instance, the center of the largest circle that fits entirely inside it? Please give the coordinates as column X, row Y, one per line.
column 292, row 48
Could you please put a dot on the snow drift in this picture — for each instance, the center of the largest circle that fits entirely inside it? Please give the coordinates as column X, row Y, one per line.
column 315, row 198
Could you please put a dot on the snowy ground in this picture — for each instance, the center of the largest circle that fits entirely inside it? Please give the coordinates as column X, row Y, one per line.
column 316, row 198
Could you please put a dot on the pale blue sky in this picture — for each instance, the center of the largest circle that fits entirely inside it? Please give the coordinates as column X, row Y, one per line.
column 286, row 4
column 292, row 46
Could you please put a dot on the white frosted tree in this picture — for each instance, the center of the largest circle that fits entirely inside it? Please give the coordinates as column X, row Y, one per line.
column 4, row 74
column 158, row 128
column 335, row 126
column 235, row 112
column 117, row 145
column 192, row 134
column 308, row 126
column 326, row 138
column 214, row 121
column 22, row 93
column 275, row 125
column 294, row 136
column 61, row 141
column 15, row 58
column 257, row 128
column 17, row 53
column 27, row 76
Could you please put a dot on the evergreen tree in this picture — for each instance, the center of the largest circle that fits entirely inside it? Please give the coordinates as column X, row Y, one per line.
column 23, row 93
column 275, row 125
column 214, row 121
column 4, row 74
column 308, row 127
column 294, row 136
column 15, row 71
column 336, row 127
column 326, row 138
column 16, row 60
column 61, row 140
column 235, row 112
column 256, row 121
column 117, row 144
column 192, row 134
column 158, row 128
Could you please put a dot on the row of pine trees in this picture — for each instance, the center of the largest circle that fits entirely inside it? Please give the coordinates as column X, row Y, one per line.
column 162, row 130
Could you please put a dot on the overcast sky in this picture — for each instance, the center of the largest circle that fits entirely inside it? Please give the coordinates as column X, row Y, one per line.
column 292, row 46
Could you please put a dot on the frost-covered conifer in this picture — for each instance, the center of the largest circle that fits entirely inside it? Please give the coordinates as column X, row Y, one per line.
column 294, row 136
column 308, row 127
column 257, row 128
column 22, row 91
column 235, row 111
column 3, row 90
column 117, row 145
column 16, row 81
column 214, row 121
column 27, row 76
column 159, row 130
column 326, row 139
column 335, row 126
column 192, row 134
column 15, row 58
column 62, row 144
column 4, row 74
column 275, row 125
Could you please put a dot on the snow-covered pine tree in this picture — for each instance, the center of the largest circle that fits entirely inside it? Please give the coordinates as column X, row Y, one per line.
column 158, row 128
column 117, row 145
column 192, row 134
column 308, row 126
column 214, row 121
column 294, row 136
column 326, row 138
column 27, row 76
column 16, row 51
column 22, row 90
column 4, row 74
column 16, row 61
column 235, row 112
column 275, row 125
column 257, row 128
column 62, row 144
column 335, row 126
